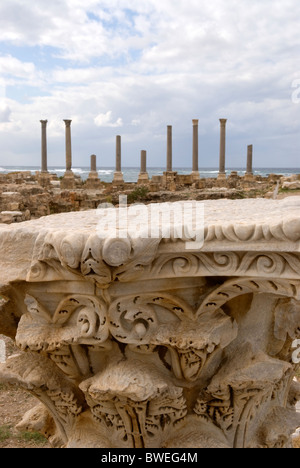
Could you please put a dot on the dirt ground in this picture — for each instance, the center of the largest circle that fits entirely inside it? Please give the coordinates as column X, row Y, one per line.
column 14, row 404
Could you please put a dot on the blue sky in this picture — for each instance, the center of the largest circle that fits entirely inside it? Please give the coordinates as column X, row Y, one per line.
column 134, row 67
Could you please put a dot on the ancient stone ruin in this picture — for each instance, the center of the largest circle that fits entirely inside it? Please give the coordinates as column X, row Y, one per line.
column 25, row 196
column 137, row 340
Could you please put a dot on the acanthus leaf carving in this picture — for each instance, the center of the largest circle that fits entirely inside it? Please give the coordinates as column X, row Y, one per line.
column 78, row 319
column 287, row 319
column 92, row 264
column 237, row 394
column 136, row 318
column 286, row 329
column 169, row 322
column 138, row 411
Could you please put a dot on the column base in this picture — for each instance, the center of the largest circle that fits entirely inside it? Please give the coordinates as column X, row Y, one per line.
column 195, row 176
column 222, row 176
column 68, row 181
column 169, row 180
column 118, row 178
column 93, row 181
column 249, row 176
column 43, row 178
column 143, row 178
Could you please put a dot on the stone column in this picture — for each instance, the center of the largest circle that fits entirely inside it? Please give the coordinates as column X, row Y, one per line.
column 93, row 181
column 93, row 163
column 169, row 148
column 169, row 177
column 249, row 172
column 195, row 173
column 44, row 167
column 143, row 176
column 249, row 159
column 222, row 172
column 118, row 154
column 143, row 161
column 68, row 181
column 68, row 145
column 118, row 175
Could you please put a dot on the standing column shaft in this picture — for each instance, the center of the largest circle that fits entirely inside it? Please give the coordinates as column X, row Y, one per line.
column 143, row 162
column 195, row 146
column 249, row 159
column 222, row 145
column 93, row 163
column 68, row 145
column 118, row 154
column 169, row 149
column 118, row 176
column 44, row 167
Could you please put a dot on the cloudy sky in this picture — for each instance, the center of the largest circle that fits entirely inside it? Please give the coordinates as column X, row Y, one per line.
column 132, row 67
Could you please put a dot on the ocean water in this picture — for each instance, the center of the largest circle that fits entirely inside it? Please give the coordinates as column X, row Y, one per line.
column 131, row 174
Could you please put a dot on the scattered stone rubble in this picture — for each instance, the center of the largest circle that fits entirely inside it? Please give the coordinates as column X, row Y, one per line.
column 25, row 196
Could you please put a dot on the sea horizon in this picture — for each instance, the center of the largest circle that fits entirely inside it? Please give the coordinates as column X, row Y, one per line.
column 131, row 174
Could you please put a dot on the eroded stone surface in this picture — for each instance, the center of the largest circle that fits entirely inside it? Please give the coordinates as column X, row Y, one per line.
column 141, row 342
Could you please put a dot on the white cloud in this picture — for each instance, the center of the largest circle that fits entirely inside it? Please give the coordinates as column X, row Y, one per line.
column 5, row 113
column 153, row 63
column 2, row 89
column 105, row 120
column 136, row 122
column 11, row 66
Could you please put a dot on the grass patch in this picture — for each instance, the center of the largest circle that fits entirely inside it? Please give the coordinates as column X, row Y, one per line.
column 5, row 433
column 140, row 193
column 35, row 437
column 287, row 190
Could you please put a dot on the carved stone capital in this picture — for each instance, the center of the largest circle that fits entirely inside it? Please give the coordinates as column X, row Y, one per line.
column 136, row 341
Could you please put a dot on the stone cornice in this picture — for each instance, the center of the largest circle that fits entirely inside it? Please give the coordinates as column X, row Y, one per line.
column 241, row 237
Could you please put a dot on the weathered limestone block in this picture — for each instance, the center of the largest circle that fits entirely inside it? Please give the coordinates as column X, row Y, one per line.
column 68, row 181
column 136, row 341
column 292, row 185
column 9, row 217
